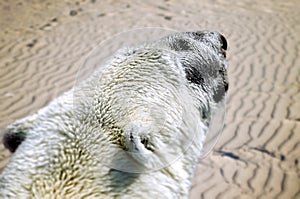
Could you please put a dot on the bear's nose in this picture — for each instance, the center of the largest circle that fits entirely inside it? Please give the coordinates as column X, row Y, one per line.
column 223, row 42
column 12, row 140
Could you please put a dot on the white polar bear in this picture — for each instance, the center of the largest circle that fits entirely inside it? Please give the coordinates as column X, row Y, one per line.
column 133, row 130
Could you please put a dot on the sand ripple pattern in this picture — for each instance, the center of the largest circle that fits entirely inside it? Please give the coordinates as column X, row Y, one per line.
column 257, row 155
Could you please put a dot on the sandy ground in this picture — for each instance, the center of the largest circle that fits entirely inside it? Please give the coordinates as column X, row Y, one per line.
column 42, row 46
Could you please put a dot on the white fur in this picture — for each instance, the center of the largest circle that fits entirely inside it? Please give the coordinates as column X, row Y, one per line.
column 75, row 146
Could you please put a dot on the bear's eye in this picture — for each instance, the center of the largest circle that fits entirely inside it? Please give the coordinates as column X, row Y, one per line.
column 12, row 140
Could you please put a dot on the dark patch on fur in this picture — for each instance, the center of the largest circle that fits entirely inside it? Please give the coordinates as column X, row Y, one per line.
column 198, row 71
column 145, row 141
column 180, row 45
column 219, row 93
column 194, row 76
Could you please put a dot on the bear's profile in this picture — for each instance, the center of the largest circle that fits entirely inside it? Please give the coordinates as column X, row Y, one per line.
column 133, row 130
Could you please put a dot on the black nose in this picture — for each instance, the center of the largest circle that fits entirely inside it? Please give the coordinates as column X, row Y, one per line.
column 12, row 140
column 226, row 86
column 223, row 42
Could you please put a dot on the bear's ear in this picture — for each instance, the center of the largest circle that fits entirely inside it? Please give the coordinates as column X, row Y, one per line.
column 15, row 133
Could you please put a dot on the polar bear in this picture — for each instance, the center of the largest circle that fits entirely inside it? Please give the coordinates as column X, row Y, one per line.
column 135, row 129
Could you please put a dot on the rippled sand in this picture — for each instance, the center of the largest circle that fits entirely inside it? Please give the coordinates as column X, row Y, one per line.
column 257, row 156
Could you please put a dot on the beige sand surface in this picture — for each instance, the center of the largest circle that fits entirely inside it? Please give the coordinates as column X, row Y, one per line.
column 42, row 46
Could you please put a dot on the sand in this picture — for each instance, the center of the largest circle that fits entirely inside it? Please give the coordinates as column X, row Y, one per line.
column 257, row 156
